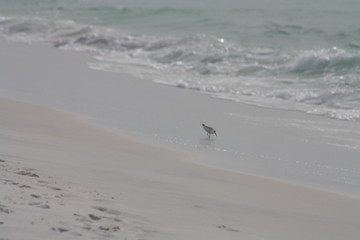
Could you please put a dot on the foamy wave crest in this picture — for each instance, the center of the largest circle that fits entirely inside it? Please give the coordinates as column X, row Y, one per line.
column 32, row 30
column 67, row 34
column 316, row 81
column 326, row 61
column 200, row 54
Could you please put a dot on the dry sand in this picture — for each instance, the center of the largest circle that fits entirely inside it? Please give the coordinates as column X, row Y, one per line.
column 62, row 178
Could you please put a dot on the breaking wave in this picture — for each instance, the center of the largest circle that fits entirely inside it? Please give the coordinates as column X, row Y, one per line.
column 319, row 81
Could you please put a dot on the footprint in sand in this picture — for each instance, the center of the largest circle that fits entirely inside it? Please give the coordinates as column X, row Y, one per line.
column 110, row 229
column 55, row 188
column 60, row 229
column 35, row 196
column 44, row 206
column 108, row 211
column 27, row 173
column 227, row 228
column 4, row 209
column 94, row 217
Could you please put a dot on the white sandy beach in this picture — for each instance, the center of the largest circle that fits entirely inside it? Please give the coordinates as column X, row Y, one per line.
column 64, row 178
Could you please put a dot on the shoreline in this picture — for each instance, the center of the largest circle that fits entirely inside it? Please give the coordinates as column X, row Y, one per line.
column 197, row 159
column 294, row 146
column 63, row 177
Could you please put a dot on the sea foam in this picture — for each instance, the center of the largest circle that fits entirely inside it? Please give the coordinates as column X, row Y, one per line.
column 316, row 80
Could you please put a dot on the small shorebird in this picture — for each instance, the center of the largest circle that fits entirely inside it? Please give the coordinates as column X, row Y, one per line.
column 209, row 130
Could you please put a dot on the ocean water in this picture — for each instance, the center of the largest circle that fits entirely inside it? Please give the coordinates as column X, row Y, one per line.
column 287, row 54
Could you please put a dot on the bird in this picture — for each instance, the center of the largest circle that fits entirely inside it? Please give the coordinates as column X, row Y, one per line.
column 209, row 130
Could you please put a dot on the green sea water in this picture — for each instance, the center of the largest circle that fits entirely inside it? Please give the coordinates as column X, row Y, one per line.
column 302, row 55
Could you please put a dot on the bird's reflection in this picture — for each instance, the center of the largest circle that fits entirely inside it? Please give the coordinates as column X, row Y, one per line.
column 206, row 142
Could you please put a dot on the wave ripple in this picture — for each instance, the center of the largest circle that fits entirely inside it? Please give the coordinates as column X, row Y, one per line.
column 322, row 81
